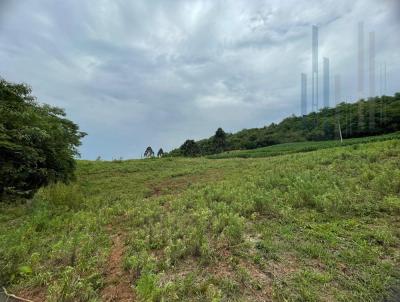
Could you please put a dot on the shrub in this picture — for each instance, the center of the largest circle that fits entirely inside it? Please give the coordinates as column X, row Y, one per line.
column 72, row 287
column 147, row 288
column 61, row 196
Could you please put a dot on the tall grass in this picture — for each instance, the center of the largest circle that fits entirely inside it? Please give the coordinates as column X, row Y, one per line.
column 61, row 196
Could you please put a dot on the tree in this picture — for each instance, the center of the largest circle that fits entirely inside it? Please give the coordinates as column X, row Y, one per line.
column 38, row 145
column 160, row 153
column 190, row 148
column 219, row 141
column 374, row 116
column 149, row 152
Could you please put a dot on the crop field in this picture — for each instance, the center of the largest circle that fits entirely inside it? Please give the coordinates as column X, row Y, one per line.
column 321, row 225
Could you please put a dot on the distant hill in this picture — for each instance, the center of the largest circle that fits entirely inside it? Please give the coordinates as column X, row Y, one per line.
column 375, row 116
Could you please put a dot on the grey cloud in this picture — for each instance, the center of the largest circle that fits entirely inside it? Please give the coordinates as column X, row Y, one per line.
column 138, row 73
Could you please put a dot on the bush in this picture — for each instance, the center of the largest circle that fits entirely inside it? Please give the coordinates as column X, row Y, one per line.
column 147, row 288
column 61, row 196
column 37, row 143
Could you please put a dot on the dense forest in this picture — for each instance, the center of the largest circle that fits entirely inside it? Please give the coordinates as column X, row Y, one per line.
column 364, row 118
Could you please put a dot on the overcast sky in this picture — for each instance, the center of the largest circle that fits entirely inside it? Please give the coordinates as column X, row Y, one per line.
column 139, row 73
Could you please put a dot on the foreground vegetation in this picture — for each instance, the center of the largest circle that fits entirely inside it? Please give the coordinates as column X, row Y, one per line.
column 316, row 226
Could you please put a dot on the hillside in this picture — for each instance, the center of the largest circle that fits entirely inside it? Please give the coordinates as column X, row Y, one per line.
column 316, row 226
column 302, row 147
column 375, row 116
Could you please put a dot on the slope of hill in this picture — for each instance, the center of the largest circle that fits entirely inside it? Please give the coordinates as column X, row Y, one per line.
column 301, row 147
column 316, row 226
column 364, row 118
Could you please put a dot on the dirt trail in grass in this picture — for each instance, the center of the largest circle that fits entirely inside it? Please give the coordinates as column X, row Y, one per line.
column 117, row 281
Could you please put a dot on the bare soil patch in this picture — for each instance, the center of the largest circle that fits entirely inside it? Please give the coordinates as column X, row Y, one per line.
column 118, row 284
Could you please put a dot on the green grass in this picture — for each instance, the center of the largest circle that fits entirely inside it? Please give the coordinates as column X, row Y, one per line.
column 290, row 148
column 317, row 226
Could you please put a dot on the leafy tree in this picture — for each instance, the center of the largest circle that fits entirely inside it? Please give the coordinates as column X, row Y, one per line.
column 219, row 141
column 38, row 145
column 160, row 153
column 190, row 148
column 149, row 152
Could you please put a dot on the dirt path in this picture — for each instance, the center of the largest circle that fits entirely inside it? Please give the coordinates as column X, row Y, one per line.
column 118, row 285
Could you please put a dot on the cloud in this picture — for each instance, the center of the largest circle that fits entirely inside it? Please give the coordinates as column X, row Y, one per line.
column 4, row 7
column 139, row 73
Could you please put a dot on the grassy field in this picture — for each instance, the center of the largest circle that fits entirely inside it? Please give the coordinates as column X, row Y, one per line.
column 302, row 147
column 317, row 226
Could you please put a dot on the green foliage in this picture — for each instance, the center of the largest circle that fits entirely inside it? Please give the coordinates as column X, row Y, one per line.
column 375, row 116
column 189, row 148
column 315, row 226
column 72, row 287
column 62, row 196
column 219, row 141
column 46, row 244
column 302, row 147
column 147, row 288
column 37, row 143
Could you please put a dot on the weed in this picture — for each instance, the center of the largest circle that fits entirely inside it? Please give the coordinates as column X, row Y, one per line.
column 61, row 196
column 302, row 225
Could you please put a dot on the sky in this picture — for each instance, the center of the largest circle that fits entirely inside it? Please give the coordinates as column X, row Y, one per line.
column 138, row 73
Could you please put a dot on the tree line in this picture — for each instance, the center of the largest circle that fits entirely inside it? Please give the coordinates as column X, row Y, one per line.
column 374, row 116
